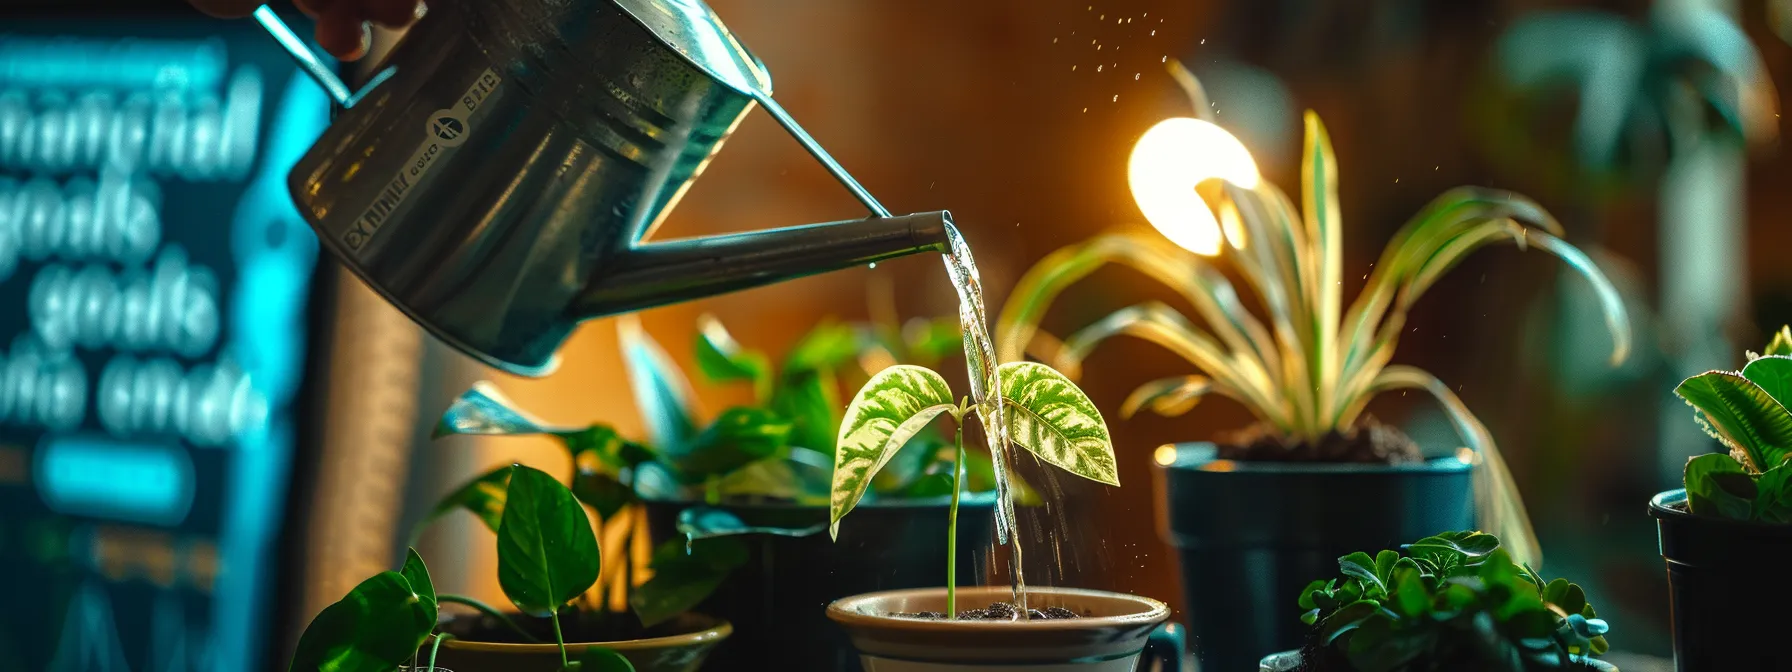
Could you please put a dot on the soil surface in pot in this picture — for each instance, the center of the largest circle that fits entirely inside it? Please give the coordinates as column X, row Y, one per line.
column 576, row 628
column 996, row 611
column 1367, row 441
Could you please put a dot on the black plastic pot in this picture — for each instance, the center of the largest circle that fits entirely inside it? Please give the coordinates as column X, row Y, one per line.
column 1729, row 611
column 1251, row 535
column 778, row 601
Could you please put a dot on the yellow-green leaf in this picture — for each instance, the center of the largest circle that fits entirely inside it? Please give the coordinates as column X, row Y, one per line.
column 1781, row 343
column 1774, row 374
column 1051, row 417
column 891, row 407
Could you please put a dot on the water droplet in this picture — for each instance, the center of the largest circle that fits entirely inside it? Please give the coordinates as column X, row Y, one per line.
column 1153, row 32
column 1054, row 40
column 1085, row 109
column 1116, row 97
column 873, row 264
column 1098, row 47
column 1103, row 17
column 1203, row 40
column 1165, row 59
column 1073, row 68
column 1135, row 76
column 1098, row 68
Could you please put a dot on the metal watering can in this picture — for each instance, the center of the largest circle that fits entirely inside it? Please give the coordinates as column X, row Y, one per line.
column 496, row 178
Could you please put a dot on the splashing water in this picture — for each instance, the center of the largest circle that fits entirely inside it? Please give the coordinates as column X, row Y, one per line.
column 980, row 360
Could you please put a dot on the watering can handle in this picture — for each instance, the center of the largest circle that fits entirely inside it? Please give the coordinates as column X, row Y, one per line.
column 1167, row 646
column 308, row 60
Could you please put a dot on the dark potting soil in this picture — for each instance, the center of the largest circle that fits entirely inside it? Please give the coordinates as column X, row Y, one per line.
column 575, row 627
column 1367, row 441
column 996, row 611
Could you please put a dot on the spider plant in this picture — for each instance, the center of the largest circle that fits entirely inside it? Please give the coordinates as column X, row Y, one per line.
column 1314, row 365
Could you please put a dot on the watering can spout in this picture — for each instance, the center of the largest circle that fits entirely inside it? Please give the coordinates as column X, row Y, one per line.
column 655, row 274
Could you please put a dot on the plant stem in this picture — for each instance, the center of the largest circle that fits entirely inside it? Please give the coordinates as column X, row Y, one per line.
column 486, row 609
column 440, row 636
column 952, row 527
column 559, row 640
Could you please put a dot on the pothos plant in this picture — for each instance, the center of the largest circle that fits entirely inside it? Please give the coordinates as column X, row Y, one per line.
column 1311, row 371
column 1046, row 414
column 1454, row 601
column 547, row 559
column 1747, row 411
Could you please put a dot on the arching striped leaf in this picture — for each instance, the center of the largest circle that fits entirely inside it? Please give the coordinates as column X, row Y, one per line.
column 891, row 407
column 1051, row 417
column 1736, row 411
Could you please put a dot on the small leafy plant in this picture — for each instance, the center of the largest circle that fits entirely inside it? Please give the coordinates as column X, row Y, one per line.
column 1309, row 373
column 1455, row 601
column 1047, row 414
column 547, row 559
column 1747, row 411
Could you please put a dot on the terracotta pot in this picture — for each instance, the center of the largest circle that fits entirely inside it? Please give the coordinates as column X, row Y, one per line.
column 677, row 646
column 1109, row 639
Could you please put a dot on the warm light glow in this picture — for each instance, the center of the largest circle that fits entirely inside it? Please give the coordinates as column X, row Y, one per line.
column 1165, row 455
column 1168, row 161
column 1467, row 455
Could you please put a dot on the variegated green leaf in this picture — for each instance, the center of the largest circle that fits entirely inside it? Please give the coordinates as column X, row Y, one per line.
column 1498, row 504
column 891, row 407
column 1736, row 411
column 1168, row 397
column 1051, row 417
column 1322, row 216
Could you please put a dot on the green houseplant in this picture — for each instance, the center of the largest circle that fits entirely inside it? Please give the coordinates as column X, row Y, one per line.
column 759, row 473
column 1454, row 601
column 1049, row 416
column 1315, row 477
column 1733, row 517
column 548, row 559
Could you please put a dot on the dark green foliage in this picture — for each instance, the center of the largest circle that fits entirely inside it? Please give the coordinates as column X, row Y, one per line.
column 1451, row 602
column 1748, row 412
column 547, row 554
column 374, row 628
column 685, row 572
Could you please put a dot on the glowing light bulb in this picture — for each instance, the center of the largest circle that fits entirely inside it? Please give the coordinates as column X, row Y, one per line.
column 1166, row 164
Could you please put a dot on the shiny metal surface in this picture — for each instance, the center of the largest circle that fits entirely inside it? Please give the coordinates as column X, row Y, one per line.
column 497, row 183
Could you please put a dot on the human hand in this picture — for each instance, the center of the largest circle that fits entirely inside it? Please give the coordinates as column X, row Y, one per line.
column 342, row 25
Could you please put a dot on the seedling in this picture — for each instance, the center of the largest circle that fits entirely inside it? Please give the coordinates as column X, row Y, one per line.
column 1453, row 601
column 1747, row 411
column 1048, row 415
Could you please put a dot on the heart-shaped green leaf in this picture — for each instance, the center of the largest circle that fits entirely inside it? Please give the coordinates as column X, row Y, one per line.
column 662, row 393
column 1410, row 596
column 892, row 407
column 547, row 554
column 683, row 578
column 1051, row 417
column 600, row 659
column 417, row 575
column 1736, row 411
column 1774, row 374
column 722, row 359
column 738, row 437
column 483, row 497
column 1454, row 549
column 1717, row 485
column 810, row 400
column 483, row 410
column 374, row 628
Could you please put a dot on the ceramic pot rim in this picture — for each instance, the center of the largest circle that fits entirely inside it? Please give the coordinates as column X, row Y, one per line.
column 846, row 611
column 711, row 630
column 1280, row 661
column 1198, row 455
column 1662, row 506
